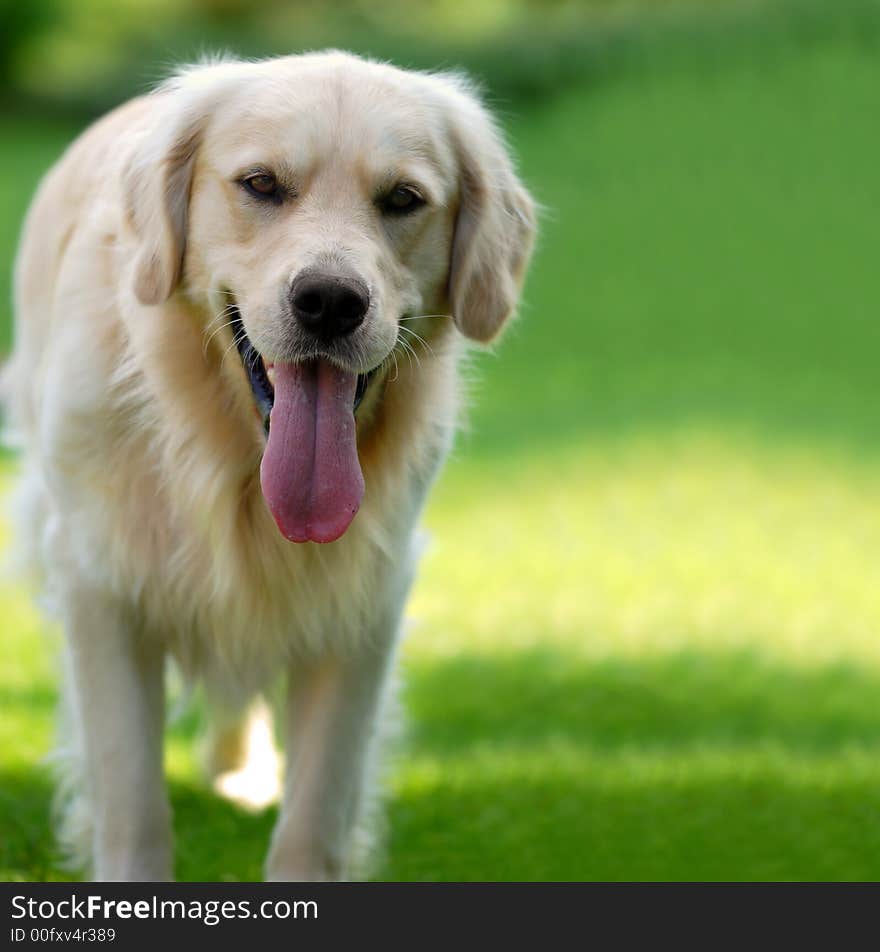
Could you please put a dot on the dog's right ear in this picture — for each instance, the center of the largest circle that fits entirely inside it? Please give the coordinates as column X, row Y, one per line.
column 157, row 184
column 157, row 181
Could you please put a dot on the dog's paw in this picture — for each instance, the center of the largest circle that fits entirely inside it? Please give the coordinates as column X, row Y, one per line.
column 254, row 783
column 253, row 788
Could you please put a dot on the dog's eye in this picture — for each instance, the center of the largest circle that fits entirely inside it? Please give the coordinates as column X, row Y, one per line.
column 262, row 185
column 402, row 200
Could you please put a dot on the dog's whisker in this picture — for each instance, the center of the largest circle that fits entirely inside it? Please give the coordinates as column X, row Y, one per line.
column 393, row 356
column 223, row 312
column 419, row 339
column 226, row 312
column 209, row 339
column 213, row 334
column 410, row 353
column 236, row 340
column 413, row 336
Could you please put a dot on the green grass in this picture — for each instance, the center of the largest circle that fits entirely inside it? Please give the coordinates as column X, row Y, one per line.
column 646, row 640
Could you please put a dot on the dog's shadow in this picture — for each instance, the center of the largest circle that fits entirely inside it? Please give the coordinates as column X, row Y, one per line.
column 214, row 840
column 541, row 766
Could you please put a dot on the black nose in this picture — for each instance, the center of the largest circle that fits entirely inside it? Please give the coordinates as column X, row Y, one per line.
column 327, row 304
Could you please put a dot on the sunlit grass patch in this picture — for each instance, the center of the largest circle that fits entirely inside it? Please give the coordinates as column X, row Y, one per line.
column 656, row 542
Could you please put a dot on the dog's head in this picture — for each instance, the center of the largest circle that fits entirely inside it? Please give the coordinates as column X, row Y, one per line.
column 327, row 205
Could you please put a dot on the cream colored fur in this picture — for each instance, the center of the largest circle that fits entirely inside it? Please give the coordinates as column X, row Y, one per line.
column 140, row 498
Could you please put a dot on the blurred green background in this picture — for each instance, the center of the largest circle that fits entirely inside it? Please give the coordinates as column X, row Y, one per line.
column 646, row 641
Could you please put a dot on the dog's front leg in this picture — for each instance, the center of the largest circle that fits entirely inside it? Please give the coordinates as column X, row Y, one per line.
column 331, row 727
column 330, row 721
column 118, row 699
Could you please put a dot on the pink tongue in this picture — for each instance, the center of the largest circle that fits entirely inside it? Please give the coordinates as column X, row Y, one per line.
column 311, row 475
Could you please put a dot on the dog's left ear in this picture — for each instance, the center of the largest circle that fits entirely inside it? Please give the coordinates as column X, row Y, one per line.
column 495, row 225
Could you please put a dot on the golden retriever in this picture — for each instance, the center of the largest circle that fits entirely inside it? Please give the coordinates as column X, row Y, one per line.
column 216, row 292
